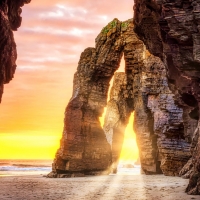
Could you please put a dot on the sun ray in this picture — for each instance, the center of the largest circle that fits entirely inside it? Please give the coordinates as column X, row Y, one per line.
column 130, row 151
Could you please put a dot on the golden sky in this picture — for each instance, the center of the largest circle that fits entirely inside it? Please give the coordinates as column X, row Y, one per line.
column 130, row 150
column 49, row 42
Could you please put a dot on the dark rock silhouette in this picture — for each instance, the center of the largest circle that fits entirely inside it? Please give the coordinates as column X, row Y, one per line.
column 171, row 30
column 10, row 21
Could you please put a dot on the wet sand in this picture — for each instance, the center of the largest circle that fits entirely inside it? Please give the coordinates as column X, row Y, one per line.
column 112, row 187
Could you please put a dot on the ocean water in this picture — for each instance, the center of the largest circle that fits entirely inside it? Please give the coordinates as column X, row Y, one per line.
column 126, row 168
column 25, row 167
column 43, row 167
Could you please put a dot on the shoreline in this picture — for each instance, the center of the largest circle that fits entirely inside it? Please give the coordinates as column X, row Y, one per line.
column 111, row 187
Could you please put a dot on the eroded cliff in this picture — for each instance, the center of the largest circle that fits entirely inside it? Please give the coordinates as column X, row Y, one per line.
column 10, row 20
column 158, row 121
column 85, row 148
column 171, row 30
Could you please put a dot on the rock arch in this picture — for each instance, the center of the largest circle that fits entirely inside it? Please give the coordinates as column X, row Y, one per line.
column 84, row 148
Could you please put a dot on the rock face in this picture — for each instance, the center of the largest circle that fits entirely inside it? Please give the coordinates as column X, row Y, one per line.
column 10, row 20
column 88, row 149
column 171, row 30
column 83, row 134
column 84, row 148
column 167, row 128
column 158, row 121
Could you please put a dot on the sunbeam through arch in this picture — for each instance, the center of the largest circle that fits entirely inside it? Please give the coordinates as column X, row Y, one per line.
column 130, row 151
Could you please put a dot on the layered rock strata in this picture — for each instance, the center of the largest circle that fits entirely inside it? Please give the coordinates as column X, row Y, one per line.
column 85, row 148
column 10, row 20
column 158, row 121
column 173, row 149
column 171, row 30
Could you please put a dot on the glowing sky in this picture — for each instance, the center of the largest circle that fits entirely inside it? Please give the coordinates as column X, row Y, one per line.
column 130, row 150
column 52, row 36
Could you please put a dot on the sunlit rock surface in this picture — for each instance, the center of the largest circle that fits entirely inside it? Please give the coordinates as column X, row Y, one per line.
column 83, row 132
column 85, row 147
column 158, row 121
column 156, row 108
column 10, row 20
column 171, row 30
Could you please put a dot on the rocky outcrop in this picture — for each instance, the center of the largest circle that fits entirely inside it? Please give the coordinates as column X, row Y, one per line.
column 173, row 149
column 158, row 121
column 171, row 30
column 85, row 148
column 91, row 82
column 10, row 20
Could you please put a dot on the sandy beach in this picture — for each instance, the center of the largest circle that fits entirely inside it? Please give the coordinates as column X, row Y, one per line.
column 112, row 187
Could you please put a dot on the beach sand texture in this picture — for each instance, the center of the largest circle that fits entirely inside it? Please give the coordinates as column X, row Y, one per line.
column 112, row 187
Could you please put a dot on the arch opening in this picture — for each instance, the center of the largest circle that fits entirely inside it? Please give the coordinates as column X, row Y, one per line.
column 129, row 156
column 118, row 124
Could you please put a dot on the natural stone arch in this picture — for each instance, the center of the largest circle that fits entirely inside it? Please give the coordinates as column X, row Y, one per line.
column 84, row 148
column 158, row 121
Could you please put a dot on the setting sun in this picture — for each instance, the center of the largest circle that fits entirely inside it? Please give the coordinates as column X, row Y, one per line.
column 23, row 146
column 130, row 150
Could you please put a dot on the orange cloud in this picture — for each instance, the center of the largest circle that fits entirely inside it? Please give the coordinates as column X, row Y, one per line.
column 52, row 36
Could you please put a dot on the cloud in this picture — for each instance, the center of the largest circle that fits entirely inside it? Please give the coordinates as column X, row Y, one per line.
column 49, row 42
